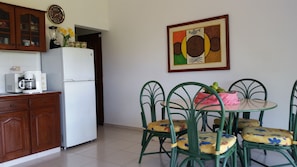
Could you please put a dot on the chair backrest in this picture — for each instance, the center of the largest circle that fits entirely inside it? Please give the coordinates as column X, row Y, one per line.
column 151, row 95
column 293, row 112
column 250, row 89
column 188, row 101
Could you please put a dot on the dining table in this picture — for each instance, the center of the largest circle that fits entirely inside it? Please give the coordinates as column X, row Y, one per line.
column 244, row 105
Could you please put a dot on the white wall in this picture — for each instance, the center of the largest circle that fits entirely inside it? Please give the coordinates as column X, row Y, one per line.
column 88, row 13
column 262, row 41
column 28, row 61
column 262, row 46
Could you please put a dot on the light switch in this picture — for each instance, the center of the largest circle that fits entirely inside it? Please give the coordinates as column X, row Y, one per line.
column 15, row 68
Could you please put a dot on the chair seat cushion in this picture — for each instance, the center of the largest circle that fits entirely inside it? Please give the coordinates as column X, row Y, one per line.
column 242, row 122
column 267, row 135
column 163, row 125
column 207, row 142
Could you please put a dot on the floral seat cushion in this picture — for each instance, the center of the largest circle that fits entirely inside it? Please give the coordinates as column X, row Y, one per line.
column 242, row 122
column 267, row 135
column 207, row 142
column 163, row 125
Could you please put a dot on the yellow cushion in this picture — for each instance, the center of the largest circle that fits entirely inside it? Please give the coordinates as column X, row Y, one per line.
column 267, row 135
column 163, row 125
column 242, row 122
column 207, row 142
column 217, row 121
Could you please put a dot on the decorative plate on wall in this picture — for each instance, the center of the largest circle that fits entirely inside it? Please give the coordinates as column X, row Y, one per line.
column 56, row 14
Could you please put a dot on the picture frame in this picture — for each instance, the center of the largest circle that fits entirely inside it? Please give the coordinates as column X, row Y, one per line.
column 199, row 45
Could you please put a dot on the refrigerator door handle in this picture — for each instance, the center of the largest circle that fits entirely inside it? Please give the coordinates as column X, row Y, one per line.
column 72, row 80
column 69, row 80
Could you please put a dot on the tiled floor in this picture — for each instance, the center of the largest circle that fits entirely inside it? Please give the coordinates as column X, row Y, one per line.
column 118, row 147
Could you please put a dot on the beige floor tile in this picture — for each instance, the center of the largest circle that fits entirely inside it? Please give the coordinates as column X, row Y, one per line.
column 120, row 147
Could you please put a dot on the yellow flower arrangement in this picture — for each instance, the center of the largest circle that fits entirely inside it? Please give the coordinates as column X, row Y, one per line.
column 67, row 34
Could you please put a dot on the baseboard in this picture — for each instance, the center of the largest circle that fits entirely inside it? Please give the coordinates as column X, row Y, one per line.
column 122, row 126
column 133, row 128
column 30, row 157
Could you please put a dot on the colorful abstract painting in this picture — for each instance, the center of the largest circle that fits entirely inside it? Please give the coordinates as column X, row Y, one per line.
column 199, row 45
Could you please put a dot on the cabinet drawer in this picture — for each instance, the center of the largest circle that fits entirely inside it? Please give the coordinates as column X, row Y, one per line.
column 11, row 105
column 43, row 101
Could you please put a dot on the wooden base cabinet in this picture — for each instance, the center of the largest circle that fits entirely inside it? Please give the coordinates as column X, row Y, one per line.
column 45, row 123
column 29, row 124
column 15, row 136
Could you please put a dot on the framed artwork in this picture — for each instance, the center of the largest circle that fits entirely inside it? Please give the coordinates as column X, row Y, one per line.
column 199, row 45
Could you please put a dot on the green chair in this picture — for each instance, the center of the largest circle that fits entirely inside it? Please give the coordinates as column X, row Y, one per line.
column 154, row 123
column 279, row 140
column 199, row 146
column 250, row 89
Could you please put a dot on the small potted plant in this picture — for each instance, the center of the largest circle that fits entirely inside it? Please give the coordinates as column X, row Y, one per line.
column 67, row 34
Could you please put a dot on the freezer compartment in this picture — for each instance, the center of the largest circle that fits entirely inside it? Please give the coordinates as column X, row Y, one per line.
column 78, row 64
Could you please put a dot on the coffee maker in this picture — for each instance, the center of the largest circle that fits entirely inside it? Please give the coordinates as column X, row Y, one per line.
column 31, row 82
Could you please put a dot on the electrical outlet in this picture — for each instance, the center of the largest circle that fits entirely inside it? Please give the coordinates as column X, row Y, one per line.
column 15, row 68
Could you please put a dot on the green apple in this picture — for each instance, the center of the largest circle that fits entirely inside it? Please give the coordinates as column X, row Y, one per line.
column 220, row 90
column 215, row 85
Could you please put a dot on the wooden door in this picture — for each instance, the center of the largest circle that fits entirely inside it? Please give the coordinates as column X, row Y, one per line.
column 94, row 42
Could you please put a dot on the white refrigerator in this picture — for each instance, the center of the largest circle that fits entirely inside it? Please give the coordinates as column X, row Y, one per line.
column 71, row 71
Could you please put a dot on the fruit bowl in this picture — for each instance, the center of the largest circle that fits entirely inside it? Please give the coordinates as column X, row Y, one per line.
column 228, row 98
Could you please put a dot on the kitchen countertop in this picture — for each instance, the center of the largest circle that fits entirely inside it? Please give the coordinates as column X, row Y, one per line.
column 25, row 94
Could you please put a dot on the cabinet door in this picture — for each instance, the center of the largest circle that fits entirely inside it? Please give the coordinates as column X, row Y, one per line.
column 30, row 29
column 14, row 131
column 7, row 27
column 45, row 122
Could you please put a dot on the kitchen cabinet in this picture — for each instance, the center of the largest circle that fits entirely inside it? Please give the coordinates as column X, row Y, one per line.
column 14, row 129
column 45, row 122
column 29, row 123
column 7, row 27
column 22, row 28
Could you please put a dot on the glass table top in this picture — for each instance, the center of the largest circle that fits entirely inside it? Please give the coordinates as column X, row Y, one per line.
column 245, row 105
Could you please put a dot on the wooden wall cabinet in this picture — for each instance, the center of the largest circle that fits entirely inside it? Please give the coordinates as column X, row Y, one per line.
column 29, row 124
column 22, row 28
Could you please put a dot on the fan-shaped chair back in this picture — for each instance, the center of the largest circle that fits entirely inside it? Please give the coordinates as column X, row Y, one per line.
column 273, row 139
column 151, row 95
column 188, row 101
column 249, row 88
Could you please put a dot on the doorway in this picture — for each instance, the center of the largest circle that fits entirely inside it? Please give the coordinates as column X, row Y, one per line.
column 93, row 39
